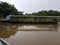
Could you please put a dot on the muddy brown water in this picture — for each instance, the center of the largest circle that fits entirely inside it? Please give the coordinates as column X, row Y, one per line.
column 30, row 34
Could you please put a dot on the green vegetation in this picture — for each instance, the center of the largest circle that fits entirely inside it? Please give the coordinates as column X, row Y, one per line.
column 9, row 9
column 46, row 13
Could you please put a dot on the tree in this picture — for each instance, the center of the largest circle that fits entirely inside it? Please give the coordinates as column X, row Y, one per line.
column 7, row 9
column 47, row 13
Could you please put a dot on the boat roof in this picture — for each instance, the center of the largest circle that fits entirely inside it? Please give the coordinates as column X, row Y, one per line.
column 31, row 16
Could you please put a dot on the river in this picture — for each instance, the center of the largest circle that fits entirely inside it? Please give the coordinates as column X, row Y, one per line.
column 30, row 34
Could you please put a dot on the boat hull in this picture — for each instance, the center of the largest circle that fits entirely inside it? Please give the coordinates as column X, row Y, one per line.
column 28, row 22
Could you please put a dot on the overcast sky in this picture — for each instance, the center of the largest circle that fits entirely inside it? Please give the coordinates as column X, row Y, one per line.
column 29, row 6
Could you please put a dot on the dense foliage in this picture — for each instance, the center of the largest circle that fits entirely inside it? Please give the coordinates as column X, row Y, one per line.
column 46, row 13
column 8, row 9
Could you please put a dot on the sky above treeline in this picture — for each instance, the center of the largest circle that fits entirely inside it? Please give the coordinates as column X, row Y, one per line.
column 30, row 6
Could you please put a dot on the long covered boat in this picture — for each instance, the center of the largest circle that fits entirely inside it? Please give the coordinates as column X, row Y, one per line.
column 7, row 20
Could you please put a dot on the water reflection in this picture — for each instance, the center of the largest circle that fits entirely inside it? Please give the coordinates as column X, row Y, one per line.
column 8, row 30
column 38, row 28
